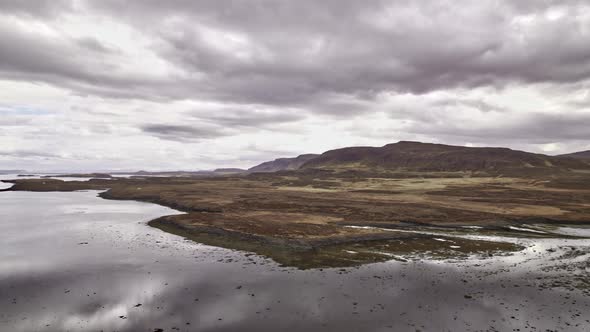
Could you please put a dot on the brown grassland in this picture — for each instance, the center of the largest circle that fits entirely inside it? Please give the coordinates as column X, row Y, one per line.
column 278, row 214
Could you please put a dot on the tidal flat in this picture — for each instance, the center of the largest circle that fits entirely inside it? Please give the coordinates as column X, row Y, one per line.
column 308, row 220
column 88, row 264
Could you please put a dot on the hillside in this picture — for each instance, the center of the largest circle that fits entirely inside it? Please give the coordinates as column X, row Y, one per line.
column 282, row 164
column 584, row 155
column 415, row 156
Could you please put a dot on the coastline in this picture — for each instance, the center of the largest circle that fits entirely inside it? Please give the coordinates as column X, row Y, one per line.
column 294, row 227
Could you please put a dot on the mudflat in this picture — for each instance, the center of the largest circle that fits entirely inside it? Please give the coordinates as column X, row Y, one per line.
column 310, row 219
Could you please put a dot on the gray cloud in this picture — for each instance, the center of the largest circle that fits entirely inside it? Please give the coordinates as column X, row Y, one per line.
column 293, row 51
column 83, row 65
column 249, row 117
column 43, row 8
column 477, row 104
column 281, row 75
column 534, row 127
column 93, row 45
column 28, row 154
column 14, row 121
column 182, row 133
column 299, row 52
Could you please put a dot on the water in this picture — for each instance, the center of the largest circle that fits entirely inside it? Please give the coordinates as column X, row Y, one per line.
column 4, row 185
column 75, row 262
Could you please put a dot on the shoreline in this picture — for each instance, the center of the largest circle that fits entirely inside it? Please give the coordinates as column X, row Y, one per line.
column 297, row 230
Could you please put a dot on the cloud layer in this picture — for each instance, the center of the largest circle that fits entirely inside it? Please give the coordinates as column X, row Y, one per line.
column 222, row 83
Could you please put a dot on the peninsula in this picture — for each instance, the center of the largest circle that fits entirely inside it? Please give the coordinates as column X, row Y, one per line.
column 311, row 210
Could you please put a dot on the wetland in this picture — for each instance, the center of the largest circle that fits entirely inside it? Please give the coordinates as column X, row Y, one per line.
column 262, row 252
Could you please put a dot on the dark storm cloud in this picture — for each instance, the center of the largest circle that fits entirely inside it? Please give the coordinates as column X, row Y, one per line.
column 182, row 133
column 338, row 71
column 84, row 65
column 294, row 51
column 25, row 56
column 298, row 52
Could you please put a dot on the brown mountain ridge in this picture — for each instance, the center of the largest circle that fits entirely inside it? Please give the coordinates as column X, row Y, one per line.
column 429, row 157
column 282, row 164
column 583, row 155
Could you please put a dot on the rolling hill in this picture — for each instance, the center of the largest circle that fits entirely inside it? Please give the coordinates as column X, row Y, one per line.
column 416, row 156
column 583, row 155
column 282, row 164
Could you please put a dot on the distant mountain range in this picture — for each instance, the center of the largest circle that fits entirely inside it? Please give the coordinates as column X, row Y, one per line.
column 424, row 157
column 283, row 164
column 401, row 156
column 11, row 171
column 216, row 172
column 219, row 171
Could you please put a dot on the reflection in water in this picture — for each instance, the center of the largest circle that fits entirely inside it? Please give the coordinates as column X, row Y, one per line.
column 72, row 261
column 5, row 185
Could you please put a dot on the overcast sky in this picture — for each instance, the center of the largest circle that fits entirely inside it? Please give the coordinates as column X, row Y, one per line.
column 199, row 84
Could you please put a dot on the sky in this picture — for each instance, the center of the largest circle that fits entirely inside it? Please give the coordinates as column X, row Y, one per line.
column 200, row 84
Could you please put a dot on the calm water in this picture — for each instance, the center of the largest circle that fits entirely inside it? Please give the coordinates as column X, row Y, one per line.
column 75, row 262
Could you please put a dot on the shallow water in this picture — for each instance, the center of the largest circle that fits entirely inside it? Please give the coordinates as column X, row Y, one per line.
column 75, row 262
column 4, row 185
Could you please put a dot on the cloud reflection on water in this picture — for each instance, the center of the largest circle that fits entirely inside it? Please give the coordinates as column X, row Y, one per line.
column 54, row 283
